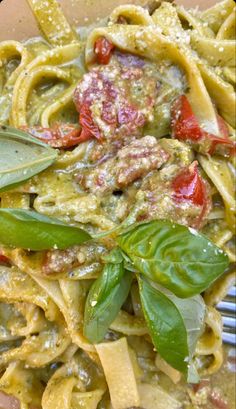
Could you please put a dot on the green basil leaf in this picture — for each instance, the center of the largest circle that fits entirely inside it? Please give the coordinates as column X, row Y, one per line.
column 192, row 311
column 30, row 230
column 177, row 257
column 193, row 376
column 22, row 156
column 105, row 299
column 166, row 326
column 114, row 257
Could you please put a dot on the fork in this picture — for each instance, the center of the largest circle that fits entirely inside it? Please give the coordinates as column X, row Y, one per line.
column 227, row 308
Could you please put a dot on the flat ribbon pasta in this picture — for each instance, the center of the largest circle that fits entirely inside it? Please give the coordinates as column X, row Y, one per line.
column 221, row 92
column 46, row 361
column 68, row 386
column 19, row 287
column 216, row 51
column 210, row 343
column 53, row 22
column 132, row 14
column 13, row 382
column 219, row 172
column 214, row 15
column 149, row 43
column 9, row 50
column 228, row 29
column 45, row 65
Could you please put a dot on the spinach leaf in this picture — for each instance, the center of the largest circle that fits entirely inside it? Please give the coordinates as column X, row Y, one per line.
column 177, row 257
column 22, row 156
column 30, row 230
column 105, row 299
column 166, row 326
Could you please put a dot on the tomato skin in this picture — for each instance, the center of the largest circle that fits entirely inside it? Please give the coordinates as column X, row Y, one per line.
column 189, row 186
column 60, row 136
column 103, row 49
column 185, row 127
column 109, row 113
column 202, row 384
column 218, row 401
column 183, row 121
column 224, row 131
column 89, row 129
column 3, row 259
column 216, row 143
column 213, row 396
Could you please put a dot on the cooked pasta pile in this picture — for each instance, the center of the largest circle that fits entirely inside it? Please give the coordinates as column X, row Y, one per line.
column 116, row 229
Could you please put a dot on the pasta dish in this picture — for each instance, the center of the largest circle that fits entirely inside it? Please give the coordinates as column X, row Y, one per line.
column 117, row 209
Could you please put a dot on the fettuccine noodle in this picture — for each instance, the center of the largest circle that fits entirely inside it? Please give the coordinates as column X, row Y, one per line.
column 45, row 359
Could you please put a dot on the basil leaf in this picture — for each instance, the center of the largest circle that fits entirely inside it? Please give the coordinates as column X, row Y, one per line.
column 114, row 257
column 193, row 376
column 177, row 257
column 192, row 311
column 105, row 299
column 166, row 326
column 30, row 230
column 22, row 156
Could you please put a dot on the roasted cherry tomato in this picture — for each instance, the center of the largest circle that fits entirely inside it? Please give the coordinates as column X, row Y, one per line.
column 224, row 131
column 202, row 384
column 183, row 121
column 222, row 145
column 212, row 395
column 218, row 401
column 59, row 136
column 189, row 186
column 186, row 127
column 103, row 50
column 3, row 259
column 89, row 128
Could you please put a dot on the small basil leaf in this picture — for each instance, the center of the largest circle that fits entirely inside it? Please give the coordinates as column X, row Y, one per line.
column 193, row 376
column 193, row 312
column 130, row 267
column 128, row 264
column 166, row 326
column 177, row 257
column 105, row 298
column 30, row 230
column 114, row 257
column 22, row 156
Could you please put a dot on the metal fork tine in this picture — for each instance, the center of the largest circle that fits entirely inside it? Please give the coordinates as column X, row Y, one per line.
column 229, row 338
column 232, row 291
column 227, row 308
column 229, row 321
